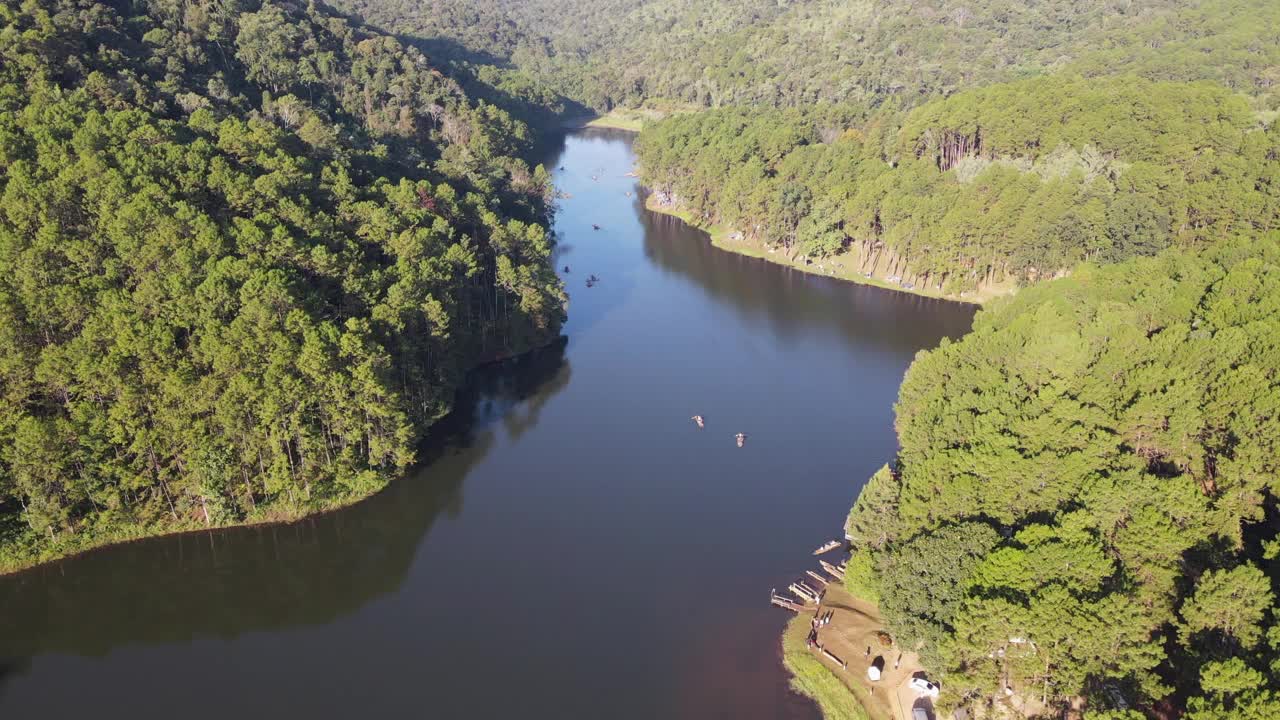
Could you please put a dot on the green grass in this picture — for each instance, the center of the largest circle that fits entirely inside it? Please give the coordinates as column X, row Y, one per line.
column 620, row 119
column 811, row 678
column 634, row 119
column 719, row 233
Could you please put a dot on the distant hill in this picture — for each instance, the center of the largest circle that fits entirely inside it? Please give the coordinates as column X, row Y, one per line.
column 790, row 53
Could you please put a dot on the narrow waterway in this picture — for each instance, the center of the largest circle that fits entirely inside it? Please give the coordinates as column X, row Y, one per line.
column 572, row 545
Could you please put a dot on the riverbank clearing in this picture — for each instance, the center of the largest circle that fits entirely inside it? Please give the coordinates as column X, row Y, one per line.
column 841, row 268
column 631, row 120
column 853, row 635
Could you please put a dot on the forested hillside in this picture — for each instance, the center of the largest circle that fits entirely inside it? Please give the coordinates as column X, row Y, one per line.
column 1084, row 501
column 1083, row 511
column 249, row 252
column 712, row 53
column 1020, row 180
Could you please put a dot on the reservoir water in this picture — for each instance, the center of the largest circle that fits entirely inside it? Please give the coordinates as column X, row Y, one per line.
column 571, row 545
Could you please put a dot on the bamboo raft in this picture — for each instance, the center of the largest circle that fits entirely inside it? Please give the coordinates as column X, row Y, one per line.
column 802, row 590
column 828, row 546
column 811, row 590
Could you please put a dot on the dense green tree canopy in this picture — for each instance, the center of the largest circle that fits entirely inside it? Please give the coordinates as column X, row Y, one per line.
column 249, row 253
column 1024, row 179
column 1098, row 461
column 713, row 53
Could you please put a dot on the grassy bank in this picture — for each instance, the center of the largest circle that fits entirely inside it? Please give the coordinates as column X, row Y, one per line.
column 720, row 234
column 635, row 119
column 811, row 678
column 855, row 634
column 842, row 267
column 620, row 119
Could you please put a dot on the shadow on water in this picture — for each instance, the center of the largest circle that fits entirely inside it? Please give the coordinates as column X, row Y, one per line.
column 227, row 582
column 10, row 669
column 791, row 300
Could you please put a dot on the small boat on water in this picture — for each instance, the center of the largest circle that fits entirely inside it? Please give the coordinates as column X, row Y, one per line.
column 741, row 438
column 828, row 547
column 566, row 268
column 595, row 226
column 698, row 419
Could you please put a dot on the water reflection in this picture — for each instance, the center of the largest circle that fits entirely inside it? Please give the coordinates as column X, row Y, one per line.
column 227, row 582
column 792, row 301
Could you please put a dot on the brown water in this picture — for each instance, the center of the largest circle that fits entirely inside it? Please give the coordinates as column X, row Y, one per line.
column 571, row 546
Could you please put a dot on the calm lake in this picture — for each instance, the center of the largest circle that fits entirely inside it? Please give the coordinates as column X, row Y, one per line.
column 570, row 546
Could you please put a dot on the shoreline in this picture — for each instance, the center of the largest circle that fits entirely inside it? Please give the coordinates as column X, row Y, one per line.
column 283, row 518
column 845, row 693
column 611, row 120
column 179, row 529
column 629, row 119
column 811, row 679
column 722, row 238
